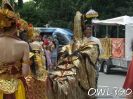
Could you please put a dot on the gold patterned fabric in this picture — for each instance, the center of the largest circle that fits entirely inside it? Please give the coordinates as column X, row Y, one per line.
column 9, row 72
column 20, row 93
column 76, row 72
column 107, row 47
column 41, row 73
column 37, row 82
column 8, row 86
column 11, row 83
column 36, row 88
column 76, row 67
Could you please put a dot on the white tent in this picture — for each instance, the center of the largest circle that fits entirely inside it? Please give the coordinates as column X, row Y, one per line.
column 127, row 21
column 122, row 20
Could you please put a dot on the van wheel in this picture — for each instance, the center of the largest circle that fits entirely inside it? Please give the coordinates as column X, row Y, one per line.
column 106, row 68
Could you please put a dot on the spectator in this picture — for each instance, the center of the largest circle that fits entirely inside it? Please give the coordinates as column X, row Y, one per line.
column 54, row 54
column 47, row 52
column 88, row 34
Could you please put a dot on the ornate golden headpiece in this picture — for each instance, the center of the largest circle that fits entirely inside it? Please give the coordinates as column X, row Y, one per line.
column 7, row 16
column 23, row 25
column 30, row 32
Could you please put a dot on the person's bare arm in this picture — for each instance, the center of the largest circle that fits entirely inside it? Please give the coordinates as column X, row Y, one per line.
column 25, row 64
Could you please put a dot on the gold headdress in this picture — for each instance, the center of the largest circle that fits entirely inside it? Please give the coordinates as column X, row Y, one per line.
column 91, row 14
column 31, row 32
column 7, row 16
column 23, row 25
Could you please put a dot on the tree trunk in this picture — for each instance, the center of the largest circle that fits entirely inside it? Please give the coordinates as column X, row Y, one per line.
column 20, row 3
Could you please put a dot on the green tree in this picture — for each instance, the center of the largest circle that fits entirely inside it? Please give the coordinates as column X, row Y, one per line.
column 12, row 2
column 20, row 3
column 60, row 13
column 113, row 8
column 32, row 14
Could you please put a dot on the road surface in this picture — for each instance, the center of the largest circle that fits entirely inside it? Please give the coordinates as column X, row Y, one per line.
column 110, row 85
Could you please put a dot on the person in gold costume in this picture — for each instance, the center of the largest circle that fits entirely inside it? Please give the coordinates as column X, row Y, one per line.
column 14, row 57
column 76, row 67
column 36, row 80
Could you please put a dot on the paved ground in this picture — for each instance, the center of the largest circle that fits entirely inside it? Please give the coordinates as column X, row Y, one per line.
column 110, row 85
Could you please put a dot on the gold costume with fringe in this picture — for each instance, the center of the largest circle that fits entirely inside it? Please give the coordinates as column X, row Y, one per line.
column 76, row 69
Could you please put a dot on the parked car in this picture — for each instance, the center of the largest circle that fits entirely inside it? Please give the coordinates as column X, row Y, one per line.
column 64, row 36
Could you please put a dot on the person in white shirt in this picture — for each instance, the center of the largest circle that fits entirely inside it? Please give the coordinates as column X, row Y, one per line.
column 88, row 34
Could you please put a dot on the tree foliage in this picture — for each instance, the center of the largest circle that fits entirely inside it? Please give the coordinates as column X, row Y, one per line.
column 60, row 13
column 113, row 8
column 20, row 3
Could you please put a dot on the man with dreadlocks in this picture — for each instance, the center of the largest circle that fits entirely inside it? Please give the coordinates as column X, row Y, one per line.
column 76, row 72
